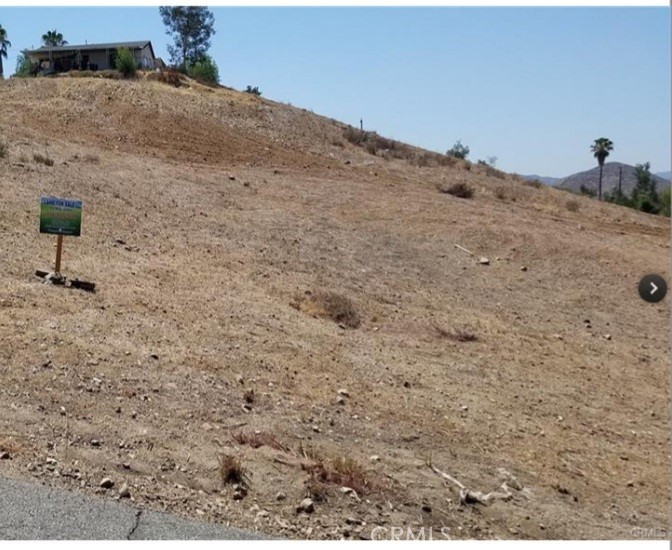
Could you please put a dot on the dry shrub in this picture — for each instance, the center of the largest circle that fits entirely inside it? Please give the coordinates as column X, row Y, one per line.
column 340, row 471
column 460, row 335
column 533, row 183
column 494, row 173
column 329, row 305
column 170, row 77
column 109, row 74
column 467, row 165
column 4, row 150
column 354, row 136
column 371, row 147
column 248, row 396
column 42, row 159
column 460, row 190
column 81, row 74
column 261, row 439
column 230, row 469
column 92, row 159
column 572, row 205
column 500, row 192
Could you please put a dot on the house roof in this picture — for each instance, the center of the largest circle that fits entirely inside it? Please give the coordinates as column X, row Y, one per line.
column 88, row 47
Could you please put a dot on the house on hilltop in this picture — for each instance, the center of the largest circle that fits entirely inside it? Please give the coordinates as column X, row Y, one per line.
column 92, row 57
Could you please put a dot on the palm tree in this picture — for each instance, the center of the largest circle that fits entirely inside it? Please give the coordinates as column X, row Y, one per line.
column 600, row 150
column 4, row 44
column 53, row 39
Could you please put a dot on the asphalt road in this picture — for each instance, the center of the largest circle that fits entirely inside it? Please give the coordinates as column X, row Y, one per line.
column 29, row 511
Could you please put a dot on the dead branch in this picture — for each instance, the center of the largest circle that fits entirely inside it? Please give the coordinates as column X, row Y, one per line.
column 464, row 250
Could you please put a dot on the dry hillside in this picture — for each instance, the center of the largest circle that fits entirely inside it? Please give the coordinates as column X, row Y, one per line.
column 224, row 230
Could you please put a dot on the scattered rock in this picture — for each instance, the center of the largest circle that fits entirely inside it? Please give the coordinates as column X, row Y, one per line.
column 523, row 268
column 232, row 177
column 239, row 491
column 124, row 492
column 340, row 400
column 307, row 505
column 484, row 261
column 4, row 455
column 344, row 392
column 607, row 336
column 354, row 521
column 374, row 458
column 95, row 442
column 280, row 496
column 107, row 483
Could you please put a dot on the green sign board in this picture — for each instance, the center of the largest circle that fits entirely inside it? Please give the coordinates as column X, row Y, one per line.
column 60, row 216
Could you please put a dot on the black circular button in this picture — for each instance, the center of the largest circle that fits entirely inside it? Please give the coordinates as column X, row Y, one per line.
column 652, row 288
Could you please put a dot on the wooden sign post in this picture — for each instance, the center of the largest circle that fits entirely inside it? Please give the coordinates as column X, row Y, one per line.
column 60, row 217
column 59, row 250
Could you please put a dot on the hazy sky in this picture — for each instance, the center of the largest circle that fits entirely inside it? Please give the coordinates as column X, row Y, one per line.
column 532, row 86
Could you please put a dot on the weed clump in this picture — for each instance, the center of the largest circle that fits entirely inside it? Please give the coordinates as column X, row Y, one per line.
column 329, row 305
column 460, row 190
column 230, row 469
column 42, row 159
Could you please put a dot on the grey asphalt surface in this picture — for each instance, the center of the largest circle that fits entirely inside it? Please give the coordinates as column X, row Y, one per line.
column 29, row 511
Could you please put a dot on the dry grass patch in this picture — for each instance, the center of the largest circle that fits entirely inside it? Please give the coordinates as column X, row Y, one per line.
column 329, row 305
column 230, row 469
column 42, row 159
column 340, row 471
column 460, row 335
column 260, row 439
column 533, row 183
column 460, row 190
column 572, row 205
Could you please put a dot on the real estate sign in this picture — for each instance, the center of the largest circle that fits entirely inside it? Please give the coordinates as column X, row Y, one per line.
column 60, row 216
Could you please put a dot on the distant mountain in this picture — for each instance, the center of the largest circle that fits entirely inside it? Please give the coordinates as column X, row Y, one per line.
column 664, row 175
column 546, row 180
column 589, row 179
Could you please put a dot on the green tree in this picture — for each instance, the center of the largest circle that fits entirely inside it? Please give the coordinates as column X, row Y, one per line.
column 204, row 70
column 191, row 28
column 4, row 44
column 125, row 63
column 601, row 149
column 252, row 90
column 25, row 67
column 644, row 195
column 665, row 202
column 53, row 39
column 458, row 150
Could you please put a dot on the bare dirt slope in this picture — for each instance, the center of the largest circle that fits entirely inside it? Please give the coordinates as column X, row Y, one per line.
column 209, row 215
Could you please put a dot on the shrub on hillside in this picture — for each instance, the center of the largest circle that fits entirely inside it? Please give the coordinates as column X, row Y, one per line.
column 125, row 63
column 458, row 150
column 204, row 71
column 460, row 190
column 253, row 90
column 572, row 205
column 171, row 77
column 3, row 149
column 25, row 67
